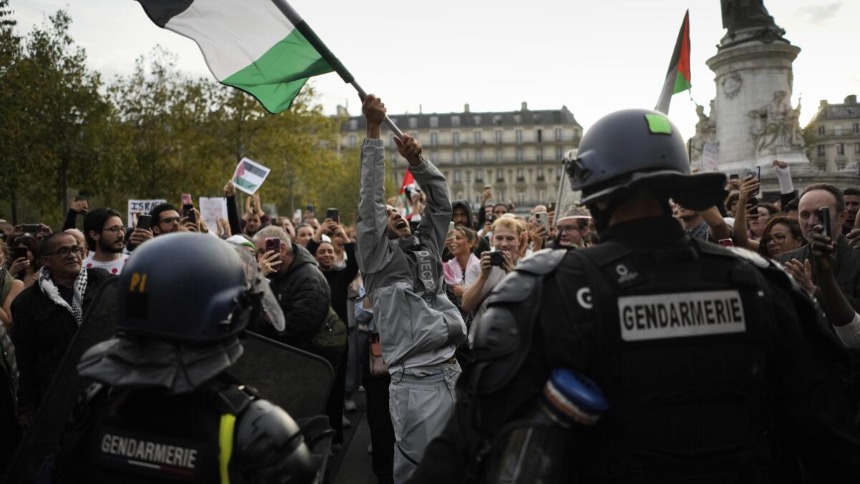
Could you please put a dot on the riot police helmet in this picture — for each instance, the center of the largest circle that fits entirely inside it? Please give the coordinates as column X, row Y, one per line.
column 637, row 149
column 185, row 287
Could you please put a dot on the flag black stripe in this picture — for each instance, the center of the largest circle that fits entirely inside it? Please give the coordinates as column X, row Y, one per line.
column 161, row 11
column 255, row 170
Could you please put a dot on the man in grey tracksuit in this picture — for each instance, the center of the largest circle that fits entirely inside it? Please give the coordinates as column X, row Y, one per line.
column 419, row 327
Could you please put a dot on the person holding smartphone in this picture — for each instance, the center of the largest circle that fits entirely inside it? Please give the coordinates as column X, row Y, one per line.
column 507, row 242
column 844, row 318
column 25, row 265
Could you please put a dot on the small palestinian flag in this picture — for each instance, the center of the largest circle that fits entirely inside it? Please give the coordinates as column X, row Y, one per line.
column 406, row 189
column 678, row 76
column 249, row 175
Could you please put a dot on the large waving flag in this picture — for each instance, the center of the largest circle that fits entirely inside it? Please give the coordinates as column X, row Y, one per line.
column 678, row 76
column 247, row 44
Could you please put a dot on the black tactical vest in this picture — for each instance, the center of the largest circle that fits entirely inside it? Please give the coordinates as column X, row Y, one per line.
column 146, row 435
column 679, row 356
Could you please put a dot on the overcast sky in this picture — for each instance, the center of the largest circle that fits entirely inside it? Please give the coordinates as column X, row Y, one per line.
column 592, row 56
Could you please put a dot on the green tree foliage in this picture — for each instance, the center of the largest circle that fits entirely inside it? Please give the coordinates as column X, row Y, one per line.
column 54, row 118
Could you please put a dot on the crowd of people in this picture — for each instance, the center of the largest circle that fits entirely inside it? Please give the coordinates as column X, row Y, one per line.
column 419, row 296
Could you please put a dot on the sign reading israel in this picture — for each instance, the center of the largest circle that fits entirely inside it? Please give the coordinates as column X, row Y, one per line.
column 680, row 315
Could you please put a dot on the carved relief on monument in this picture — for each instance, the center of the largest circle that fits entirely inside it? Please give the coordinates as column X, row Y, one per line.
column 731, row 84
column 706, row 131
column 775, row 127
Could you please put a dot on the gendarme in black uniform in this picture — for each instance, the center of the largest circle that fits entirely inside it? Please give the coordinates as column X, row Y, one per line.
column 714, row 364
column 163, row 408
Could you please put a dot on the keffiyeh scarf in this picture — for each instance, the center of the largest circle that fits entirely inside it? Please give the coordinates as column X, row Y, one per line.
column 50, row 289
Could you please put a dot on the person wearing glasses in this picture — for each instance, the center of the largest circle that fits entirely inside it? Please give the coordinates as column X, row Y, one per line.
column 572, row 229
column 781, row 235
column 48, row 314
column 165, row 219
column 105, row 235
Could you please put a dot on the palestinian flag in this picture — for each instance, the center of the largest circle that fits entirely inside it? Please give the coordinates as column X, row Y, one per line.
column 408, row 185
column 678, row 76
column 247, row 44
column 249, row 175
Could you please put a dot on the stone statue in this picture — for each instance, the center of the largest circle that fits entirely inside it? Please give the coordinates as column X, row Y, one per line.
column 706, row 131
column 742, row 14
column 776, row 127
column 751, row 17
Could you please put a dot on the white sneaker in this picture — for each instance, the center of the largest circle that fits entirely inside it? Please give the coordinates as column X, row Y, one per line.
column 360, row 389
column 346, row 423
column 349, row 405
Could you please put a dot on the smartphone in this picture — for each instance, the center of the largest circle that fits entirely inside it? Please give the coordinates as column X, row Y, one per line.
column 726, row 242
column 188, row 211
column 309, row 208
column 273, row 244
column 80, row 197
column 186, row 199
column 30, row 228
column 755, row 173
column 542, row 218
column 144, row 221
column 824, row 220
column 733, row 176
column 550, row 206
column 333, row 214
column 19, row 252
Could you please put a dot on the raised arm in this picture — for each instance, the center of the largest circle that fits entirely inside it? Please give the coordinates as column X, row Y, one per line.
column 741, row 237
column 372, row 226
column 437, row 212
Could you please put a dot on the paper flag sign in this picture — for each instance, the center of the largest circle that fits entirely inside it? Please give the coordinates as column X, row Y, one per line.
column 249, row 176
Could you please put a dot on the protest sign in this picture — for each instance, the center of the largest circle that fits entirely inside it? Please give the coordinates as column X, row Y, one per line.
column 249, row 175
column 212, row 209
column 138, row 207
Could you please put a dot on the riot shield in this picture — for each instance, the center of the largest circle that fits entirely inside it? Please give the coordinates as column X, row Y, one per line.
column 46, row 428
column 295, row 380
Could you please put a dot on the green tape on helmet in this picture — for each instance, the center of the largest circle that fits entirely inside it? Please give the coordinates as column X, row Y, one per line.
column 658, row 124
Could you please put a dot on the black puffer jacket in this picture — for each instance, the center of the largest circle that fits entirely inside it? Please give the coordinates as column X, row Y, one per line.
column 304, row 296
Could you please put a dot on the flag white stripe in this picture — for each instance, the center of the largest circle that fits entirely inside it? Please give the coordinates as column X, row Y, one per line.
column 257, row 23
column 252, row 178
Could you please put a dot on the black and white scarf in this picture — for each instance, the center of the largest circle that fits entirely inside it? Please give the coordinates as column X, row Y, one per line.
column 50, row 289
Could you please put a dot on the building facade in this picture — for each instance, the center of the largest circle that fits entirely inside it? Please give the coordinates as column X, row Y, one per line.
column 833, row 137
column 517, row 153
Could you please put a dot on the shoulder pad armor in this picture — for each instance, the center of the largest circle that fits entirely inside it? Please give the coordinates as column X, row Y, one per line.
column 270, row 446
column 503, row 333
column 520, row 283
column 542, row 262
column 496, row 333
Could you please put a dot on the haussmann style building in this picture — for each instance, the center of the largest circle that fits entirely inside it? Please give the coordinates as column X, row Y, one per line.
column 518, row 153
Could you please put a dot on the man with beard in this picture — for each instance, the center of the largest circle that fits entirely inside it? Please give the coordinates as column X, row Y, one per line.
column 105, row 236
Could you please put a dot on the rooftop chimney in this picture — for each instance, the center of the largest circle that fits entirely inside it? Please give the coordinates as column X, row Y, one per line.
column 525, row 106
column 466, row 108
column 852, row 99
